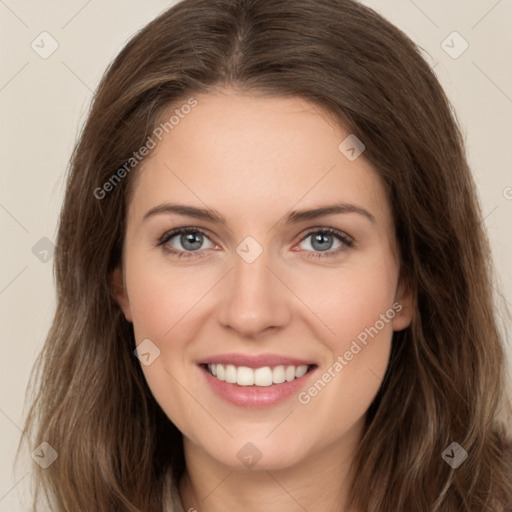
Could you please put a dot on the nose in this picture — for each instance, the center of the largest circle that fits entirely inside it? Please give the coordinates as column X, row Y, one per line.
column 254, row 299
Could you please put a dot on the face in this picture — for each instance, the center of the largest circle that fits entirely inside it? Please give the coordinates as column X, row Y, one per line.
column 230, row 267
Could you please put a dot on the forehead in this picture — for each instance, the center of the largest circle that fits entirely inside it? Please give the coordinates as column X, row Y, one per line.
column 247, row 155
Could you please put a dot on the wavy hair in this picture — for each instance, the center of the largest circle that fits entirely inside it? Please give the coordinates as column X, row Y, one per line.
column 446, row 380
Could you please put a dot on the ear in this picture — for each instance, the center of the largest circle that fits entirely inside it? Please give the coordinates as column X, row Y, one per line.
column 404, row 305
column 118, row 292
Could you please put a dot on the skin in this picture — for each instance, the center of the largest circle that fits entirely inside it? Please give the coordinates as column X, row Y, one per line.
column 253, row 159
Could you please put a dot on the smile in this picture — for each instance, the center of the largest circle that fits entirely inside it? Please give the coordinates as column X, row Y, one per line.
column 263, row 376
column 256, row 380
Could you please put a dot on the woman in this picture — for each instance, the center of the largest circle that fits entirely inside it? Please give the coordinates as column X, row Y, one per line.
column 329, row 340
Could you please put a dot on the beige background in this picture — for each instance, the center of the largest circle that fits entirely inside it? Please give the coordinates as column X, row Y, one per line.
column 44, row 101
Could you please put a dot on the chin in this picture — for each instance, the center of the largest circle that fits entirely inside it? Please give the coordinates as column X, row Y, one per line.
column 257, row 455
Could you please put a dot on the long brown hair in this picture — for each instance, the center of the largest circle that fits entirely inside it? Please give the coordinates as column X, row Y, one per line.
column 446, row 378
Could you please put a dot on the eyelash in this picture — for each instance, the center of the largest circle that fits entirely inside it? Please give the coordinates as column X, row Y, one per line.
column 342, row 237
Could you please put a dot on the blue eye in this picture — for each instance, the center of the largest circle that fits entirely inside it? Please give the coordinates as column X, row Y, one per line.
column 192, row 239
column 323, row 241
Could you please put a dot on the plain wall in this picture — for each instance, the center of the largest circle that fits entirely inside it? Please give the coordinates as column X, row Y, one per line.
column 43, row 103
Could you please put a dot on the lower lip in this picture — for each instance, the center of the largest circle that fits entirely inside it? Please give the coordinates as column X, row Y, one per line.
column 256, row 396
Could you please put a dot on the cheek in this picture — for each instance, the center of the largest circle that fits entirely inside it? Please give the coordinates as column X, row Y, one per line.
column 358, row 307
column 164, row 305
column 160, row 298
column 360, row 311
column 161, row 304
column 353, row 301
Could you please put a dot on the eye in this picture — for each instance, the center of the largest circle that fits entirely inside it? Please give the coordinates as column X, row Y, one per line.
column 190, row 239
column 322, row 240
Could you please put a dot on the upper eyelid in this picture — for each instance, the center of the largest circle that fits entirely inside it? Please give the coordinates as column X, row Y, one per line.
column 177, row 231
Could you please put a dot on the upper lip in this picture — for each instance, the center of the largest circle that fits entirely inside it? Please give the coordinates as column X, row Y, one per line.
column 254, row 361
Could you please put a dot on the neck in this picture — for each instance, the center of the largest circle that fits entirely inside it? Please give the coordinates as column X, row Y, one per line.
column 321, row 481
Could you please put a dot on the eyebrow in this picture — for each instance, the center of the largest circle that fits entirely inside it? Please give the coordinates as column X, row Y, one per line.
column 292, row 218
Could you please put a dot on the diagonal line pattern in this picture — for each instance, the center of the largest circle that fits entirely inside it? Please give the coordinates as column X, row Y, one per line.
column 76, row 14
column 12, row 422
column 286, row 490
column 13, row 279
column 376, row 376
column 302, row 197
column 207, row 206
column 486, row 14
column 217, row 486
column 14, row 76
column 2, row 2
column 280, row 423
column 76, row 76
column 489, row 214
column 14, row 486
column 492, row 81
column 424, row 13
column 14, row 218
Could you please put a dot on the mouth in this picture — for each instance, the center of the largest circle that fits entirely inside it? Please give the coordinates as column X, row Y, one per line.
column 258, row 381
column 263, row 376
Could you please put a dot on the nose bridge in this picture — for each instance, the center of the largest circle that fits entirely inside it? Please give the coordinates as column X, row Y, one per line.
column 254, row 299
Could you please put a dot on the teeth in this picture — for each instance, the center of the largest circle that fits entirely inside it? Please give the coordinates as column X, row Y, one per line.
column 265, row 376
column 289, row 374
column 300, row 371
column 278, row 375
column 230, row 374
column 245, row 376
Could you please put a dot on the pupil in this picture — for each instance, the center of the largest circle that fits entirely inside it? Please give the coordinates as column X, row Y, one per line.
column 189, row 239
column 323, row 240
